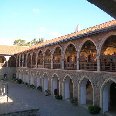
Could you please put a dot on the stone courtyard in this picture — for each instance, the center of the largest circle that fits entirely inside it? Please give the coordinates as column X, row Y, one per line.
column 24, row 98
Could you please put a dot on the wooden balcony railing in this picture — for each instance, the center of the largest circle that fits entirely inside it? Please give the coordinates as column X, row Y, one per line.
column 56, row 65
column 70, row 66
column 40, row 66
column 47, row 65
column 91, row 66
column 109, row 66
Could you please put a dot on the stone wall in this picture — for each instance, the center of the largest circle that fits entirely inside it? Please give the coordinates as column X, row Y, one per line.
column 7, row 70
column 96, row 78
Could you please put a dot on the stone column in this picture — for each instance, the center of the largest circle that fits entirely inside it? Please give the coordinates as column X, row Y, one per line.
column 19, row 60
column 77, row 60
column 62, row 59
column 98, row 62
column 36, row 59
column 51, row 60
column 26, row 60
column 31, row 60
column 43, row 59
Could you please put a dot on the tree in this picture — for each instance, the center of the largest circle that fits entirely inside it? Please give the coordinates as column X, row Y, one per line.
column 21, row 42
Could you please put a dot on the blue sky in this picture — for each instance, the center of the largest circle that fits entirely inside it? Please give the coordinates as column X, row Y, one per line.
column 28, row 19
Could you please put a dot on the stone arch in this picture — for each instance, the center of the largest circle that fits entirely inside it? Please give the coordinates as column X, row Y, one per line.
column 68, row 84
column 103, row 41
column 108, row 54
column 57, row 47
column 88, row 56
column 84, row 41
column 34, row 59
column 55, row 84
column 105, row 94
column 47, row 58
column 40, row 59
column 86, row 91
column 57, row 55
column 69, row 44
column 70, row 60
column 29, row 60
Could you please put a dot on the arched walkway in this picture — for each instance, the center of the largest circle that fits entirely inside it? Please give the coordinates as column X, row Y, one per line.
column 68, row 88
column 47, row 59
column 57, row 58
column 70, row 57
column 38, row 81
column 108, row 55
column 86, row 92
column 109, row 96
column 40, row 59
column 55, row 85
column 88, row 60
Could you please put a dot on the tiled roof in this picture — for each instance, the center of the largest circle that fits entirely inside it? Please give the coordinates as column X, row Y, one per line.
column 10, row 50
column 77, row 34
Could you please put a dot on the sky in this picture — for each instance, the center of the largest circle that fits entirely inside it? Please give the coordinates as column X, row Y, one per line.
column 29, row 19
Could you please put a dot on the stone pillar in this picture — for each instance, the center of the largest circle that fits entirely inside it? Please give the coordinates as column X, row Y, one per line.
column 19, row 59
column 51, row 60
column 98, row 62
column 31, row 60
column 43, row 59
column 26, row 60
column 62, row 59
column 77, row 60
column 36, row 59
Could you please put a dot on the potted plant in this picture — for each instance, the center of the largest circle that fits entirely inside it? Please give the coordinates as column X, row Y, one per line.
column 39, row 88
column 59, row 97
column 47, row 92
column 74, row 101
column 94, row 109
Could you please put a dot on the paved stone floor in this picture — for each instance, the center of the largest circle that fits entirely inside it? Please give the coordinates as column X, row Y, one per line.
column 23, row 97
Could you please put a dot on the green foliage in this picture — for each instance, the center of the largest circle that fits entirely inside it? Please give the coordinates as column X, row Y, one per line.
column 94, row 109
column 21, row 42
column 59, row 97
column 32, row 86
column 39, row 88
column 19, row 81
column 74, row 101
column 47, row 92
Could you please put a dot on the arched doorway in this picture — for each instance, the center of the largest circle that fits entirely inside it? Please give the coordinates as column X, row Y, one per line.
column 86, row 92
column 40, row 59
column 87, row 58
column 70, row 57
column 109, row 97
column 47, row 59
column 68, row 88
column 57, row 58
column 108, row 55
column 29, row 60
column 33, row 60
column 55, row 85
column 24, row 61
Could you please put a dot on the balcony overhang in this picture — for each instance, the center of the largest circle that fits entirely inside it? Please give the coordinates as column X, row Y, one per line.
column 109, row 6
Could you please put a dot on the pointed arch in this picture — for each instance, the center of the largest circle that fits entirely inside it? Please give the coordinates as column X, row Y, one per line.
column 88, row 56
column 57, row 54
column 70, row 62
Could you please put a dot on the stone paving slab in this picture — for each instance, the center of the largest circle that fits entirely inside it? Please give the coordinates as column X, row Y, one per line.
column 24, row 98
